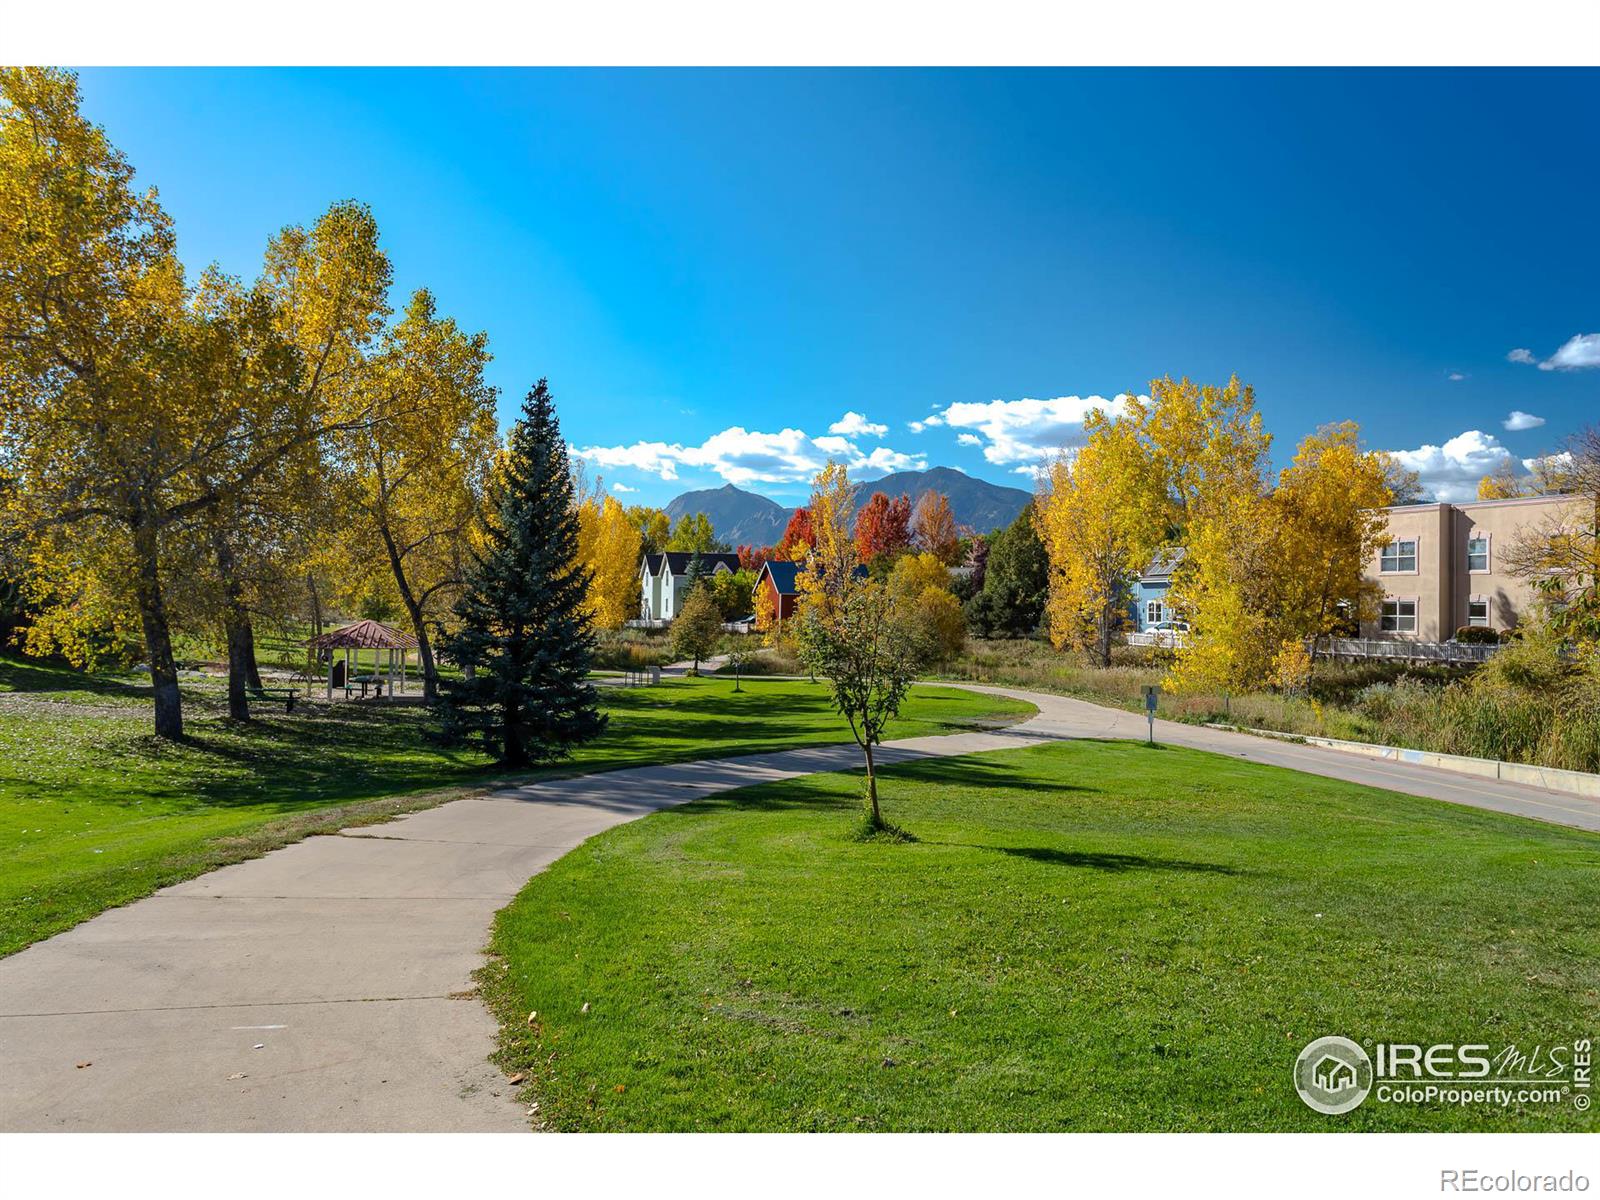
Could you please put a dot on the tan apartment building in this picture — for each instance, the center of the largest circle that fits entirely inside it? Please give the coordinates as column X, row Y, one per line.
column 1445, row 566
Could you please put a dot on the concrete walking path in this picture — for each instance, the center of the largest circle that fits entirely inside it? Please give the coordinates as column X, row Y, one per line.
column 1063, row 717
column 327, row 985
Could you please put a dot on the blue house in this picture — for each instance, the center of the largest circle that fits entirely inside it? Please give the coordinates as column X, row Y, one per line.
column 1150, row 604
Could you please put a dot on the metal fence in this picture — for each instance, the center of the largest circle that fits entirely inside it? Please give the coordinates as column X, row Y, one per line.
column 1406, row 651
column 1171, row 639
column 1394, row 649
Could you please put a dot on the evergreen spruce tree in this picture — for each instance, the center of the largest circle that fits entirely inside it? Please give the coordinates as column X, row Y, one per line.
column 524, row 637
column 693, row 575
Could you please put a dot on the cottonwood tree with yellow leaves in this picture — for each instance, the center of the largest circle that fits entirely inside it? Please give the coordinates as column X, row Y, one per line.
column 609, row 545
column 831, row 558
column 135, row 403
column 1100, row 514
column 1327, row 524
column 414, row 472
column 1210, row 447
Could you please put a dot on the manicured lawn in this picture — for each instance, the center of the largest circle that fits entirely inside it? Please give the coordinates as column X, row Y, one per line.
column 95, row 811
column 1086, row 936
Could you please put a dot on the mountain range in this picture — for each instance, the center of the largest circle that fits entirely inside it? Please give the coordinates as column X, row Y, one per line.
column 745, row 518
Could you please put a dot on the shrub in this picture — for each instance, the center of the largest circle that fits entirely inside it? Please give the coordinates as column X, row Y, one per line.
column 1477, row 635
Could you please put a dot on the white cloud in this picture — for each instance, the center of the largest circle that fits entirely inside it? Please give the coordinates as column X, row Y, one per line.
column 853, row 424
column 916, row 426
column 1456, row 376
column 655, row 458
column 743, row 456
column 1582, row 350
column 1451, row 472
column 968, row 439
column 622, row 487
column 1027, row 430
column 1521, row 355
column 1519, row 420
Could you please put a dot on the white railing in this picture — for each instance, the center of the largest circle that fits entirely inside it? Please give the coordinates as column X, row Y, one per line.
column 1170, row 638
column 1394, row 649
column 1407, row 651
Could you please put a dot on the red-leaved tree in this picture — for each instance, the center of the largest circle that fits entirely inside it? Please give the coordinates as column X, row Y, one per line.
column 798, row 533
column 883, row 527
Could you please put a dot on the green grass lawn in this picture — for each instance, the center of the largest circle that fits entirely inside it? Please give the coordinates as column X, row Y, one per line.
column 96, row 811
column 1086, row 936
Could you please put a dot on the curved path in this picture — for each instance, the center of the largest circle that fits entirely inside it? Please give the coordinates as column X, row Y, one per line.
column 327, row 985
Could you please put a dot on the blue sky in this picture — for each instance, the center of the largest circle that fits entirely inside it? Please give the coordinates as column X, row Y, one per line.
column 716, row 268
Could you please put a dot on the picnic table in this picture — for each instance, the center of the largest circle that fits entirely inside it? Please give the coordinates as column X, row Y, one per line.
column 273, row 695
column 375, row 682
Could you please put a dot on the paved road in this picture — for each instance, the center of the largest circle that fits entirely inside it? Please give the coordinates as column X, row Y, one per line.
column 326, row 985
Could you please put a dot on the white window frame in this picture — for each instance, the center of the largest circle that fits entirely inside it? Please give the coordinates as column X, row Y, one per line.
column 1488, row 561
column 1415, row 556
column 1472, row 621
column 1154, row 612
column 1384, row 617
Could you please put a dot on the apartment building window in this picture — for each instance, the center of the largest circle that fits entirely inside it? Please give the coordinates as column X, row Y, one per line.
column 1399, row 558
column 1152, row 612
column 1399, row 616
column 1478, row 611
column 1478, row 552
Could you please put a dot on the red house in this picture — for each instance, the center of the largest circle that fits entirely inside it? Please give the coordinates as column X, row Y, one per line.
column 781, row 580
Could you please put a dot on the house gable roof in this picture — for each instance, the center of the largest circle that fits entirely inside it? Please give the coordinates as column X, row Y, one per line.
column 678, row 561
column 1163, row 565
column 784, row 575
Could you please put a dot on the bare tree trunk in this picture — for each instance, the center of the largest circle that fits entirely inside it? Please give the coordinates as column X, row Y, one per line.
column 236, row 630
column 316, row 605
column 157, row 632
column 872, row 787
column 430, row 672
column 252, row 672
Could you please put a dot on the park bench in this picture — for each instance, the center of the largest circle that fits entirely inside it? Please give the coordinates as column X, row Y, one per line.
column 283, row 696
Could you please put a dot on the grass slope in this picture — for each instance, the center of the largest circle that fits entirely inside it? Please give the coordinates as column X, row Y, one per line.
column 1086, row 936
column 95, row 811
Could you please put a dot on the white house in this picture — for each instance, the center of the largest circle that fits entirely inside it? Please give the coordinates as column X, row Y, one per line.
column 663, row 579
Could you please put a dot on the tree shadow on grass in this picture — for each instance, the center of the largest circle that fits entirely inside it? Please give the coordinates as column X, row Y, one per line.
column 19, row 676
column 1101, row 861
column 976, row 771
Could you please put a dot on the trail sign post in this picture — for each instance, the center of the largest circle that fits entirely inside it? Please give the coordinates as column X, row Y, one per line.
column 1151, row 691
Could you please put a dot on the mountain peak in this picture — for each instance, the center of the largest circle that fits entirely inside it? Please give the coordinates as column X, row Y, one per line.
column 748, row 518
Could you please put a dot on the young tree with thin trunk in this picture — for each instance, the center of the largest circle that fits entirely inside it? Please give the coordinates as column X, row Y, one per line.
column 697, row 627
column 869, row 652
column 523, row 634
column 1559, row 554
